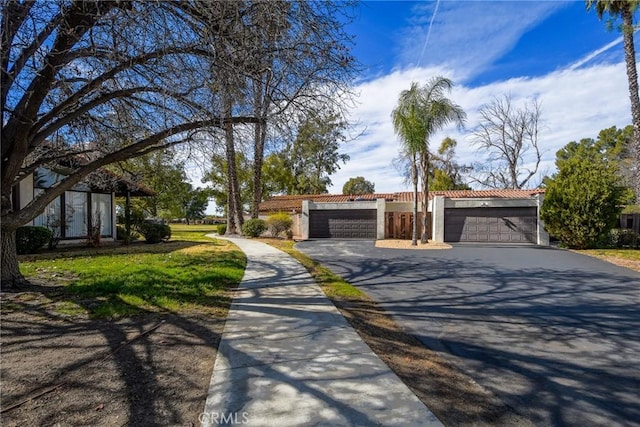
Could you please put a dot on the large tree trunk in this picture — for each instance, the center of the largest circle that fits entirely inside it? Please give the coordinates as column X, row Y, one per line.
column 424, row 166
column 632, row 75
column 414, row 179
column 258, row 157
column 260, row 136
column 234, row 217
column 11, row 276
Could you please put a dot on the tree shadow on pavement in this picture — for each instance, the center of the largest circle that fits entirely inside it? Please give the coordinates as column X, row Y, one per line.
column 559, row 344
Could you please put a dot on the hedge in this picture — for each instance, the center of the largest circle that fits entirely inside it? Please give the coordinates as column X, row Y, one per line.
column 155, row 233
column 29, row 238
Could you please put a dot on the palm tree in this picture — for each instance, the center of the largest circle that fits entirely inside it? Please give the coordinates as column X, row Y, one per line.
column 421, row 112
column 625, row 9
column 409, row 126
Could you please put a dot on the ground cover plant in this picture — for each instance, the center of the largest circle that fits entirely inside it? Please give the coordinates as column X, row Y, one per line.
column 117, row 335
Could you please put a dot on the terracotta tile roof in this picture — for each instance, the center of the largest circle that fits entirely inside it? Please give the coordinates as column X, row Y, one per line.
column 289, row 203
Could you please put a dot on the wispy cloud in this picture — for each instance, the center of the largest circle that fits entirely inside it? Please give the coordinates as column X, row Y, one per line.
column 595, row 54
column 467, row 38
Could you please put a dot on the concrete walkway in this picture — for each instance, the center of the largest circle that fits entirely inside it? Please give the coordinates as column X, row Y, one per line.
column 289, row 358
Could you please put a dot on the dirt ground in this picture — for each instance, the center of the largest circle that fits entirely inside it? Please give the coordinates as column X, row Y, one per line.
column 154, row 370
column 406, row 244
column 59, row 370
column 455, row 398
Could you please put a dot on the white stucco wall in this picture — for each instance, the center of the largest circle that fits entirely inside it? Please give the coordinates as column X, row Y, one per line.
column 26, row 191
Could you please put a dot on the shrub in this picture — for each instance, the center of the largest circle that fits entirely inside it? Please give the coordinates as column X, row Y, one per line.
column 621, row 238
column 278, row 223
column 94, row 233
column 29, row 239
column 628, row 239
column 155, row 233
column 55, row 224
column 222, row 228
column 582, row 201
column 121, row 234
column 136, row 216
column 254, row 227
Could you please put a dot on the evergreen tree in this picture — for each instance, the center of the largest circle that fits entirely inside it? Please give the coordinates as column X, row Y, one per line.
column 584, row 198
column 358, row 185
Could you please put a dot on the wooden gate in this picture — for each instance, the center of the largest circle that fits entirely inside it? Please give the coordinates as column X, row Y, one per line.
column 399, row 225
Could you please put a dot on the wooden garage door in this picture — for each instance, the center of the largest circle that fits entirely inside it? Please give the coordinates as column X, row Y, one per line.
column 343, row 224
column 517, row 225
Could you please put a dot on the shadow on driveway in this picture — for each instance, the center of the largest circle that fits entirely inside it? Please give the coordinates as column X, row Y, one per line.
column 555, row 334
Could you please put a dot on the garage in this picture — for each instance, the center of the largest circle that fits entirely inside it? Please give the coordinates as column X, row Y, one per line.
column 504, row 224
column 343, row 223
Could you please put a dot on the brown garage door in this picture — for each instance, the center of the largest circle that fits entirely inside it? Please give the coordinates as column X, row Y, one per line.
column 517, row 225
column 343, row 224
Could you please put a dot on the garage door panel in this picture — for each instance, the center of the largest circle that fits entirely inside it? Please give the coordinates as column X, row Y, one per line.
column 516, row 225
column 343, row 224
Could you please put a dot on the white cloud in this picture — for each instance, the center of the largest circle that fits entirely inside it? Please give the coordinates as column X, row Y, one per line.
column 470, row 35
column 576, row 103
column 595, row 54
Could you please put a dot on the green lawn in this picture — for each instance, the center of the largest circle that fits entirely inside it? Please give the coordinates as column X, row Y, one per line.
column 190, row 273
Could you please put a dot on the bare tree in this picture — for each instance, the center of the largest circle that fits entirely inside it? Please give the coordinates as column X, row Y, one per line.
column 105, row 80
column 303, row 64
column 119, row 79
column 287, row 58
column 508, row 136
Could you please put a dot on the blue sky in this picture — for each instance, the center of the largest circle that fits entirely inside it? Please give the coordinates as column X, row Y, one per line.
column 553, row 51
column 495, row 40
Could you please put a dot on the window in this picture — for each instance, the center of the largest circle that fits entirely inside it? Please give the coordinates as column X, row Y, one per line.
column 101, row 210
column 50, row 217
column 76, row 214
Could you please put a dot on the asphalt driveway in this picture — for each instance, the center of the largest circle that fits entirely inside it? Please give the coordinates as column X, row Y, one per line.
column 555, row 334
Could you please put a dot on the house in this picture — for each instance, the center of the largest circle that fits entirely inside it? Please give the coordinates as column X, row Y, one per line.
column 505, row 216
column 88, row 203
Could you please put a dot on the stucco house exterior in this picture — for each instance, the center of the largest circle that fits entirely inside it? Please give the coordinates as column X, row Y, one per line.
column 84, row 205
column 504, row 216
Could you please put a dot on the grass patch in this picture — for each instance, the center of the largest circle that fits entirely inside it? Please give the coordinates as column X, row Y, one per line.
column 334, row 286
column 69, row 308
column 629, row 258
column 193, row 233
column 631, row 254
column 191, row 273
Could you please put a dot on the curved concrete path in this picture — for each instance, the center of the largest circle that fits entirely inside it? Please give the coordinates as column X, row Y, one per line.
column 289, row 358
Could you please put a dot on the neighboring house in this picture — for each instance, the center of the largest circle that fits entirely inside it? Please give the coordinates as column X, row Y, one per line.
column 71, row 214
column 505, row 216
